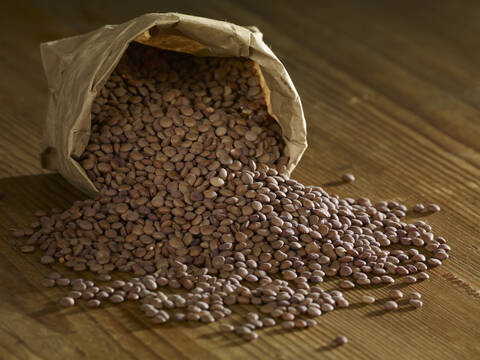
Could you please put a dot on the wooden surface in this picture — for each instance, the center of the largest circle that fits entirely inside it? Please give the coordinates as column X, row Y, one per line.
column 391, row 91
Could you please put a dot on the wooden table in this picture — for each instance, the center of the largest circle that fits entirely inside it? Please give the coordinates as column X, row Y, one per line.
column 391, row 92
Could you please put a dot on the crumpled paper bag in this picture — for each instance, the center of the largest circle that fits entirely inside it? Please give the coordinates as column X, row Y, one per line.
column 77, row 68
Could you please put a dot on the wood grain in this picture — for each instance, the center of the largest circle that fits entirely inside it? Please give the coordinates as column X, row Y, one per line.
column 391, row 93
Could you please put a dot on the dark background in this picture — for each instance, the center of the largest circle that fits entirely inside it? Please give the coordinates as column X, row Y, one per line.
column 421, row 55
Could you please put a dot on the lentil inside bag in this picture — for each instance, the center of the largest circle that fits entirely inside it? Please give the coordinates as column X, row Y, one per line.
column 78, row 67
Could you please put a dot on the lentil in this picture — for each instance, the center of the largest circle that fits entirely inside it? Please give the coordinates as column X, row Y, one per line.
column 267, row 322
column 366, row 299
column 227, row 327
column 93, row 303
column 116, row 299
column 415, row 295
column 433, row 208
column 63, row 282
column 67, row 301
column 415, row 303
column 288, row 325
column 250, row 336
column 390, row 305
column 341, row 340
column 348, row 177
column 48, row 282
column 395, row 294
column 418, row 208
column 422, row 276
column 410, row 279
column 54, row 276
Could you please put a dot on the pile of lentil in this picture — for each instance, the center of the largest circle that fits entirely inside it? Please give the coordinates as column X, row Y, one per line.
column 193, row 194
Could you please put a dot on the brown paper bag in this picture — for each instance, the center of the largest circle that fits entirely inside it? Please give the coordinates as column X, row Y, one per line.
column 77, row 68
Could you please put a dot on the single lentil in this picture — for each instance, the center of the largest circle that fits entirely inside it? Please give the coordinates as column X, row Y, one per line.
column 67, row 301
column 367, row 299
column 433, row 208
column 48, row 282
column 418, row 208
column 415, row 295
column 395, row 294
column 348, row 177
column 226, row 327
column 416, row 303
column 390, row 305
column 341, row 340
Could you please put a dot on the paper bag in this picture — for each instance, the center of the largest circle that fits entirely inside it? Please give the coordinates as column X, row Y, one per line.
column 77, row 68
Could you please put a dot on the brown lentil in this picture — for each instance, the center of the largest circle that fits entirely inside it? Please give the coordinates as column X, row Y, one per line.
column 93, row 303
column 422, row 276
column 67, row 301
column 54, row 276
column 395, row 294
column 116, row 299
column 341, row 340
column 415, row 303
column 366, row 299
column 250, row 336
column 226, row 327
column 418, row 208
column 390, row 305
column 433, row 208
column 300, row 324
column 48, row 282
column 348, row 177
column 267, row 322
column 410, row 279
column 415, row 295
column 288, row 325
column 63, row 282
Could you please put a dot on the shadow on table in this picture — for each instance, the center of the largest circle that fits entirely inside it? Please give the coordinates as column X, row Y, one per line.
column 334, row 183
column 326, row 348
column 21, row 196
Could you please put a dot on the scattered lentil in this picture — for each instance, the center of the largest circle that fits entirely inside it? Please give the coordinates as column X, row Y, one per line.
column 288, row 325
column 418, row 208
column 395, row 294
column 268, row 322
column 415, row 295
column 390, row 305
column 226, row 327
column 67, row 301
column 347, row 284
column 348, row 177
column 410, row 279
column 341, row 340
column 250, row 336
column 366, row 299
column 422, row 276
column 93, row 303
column 189, row 197
column 48, row 282
column 433, row 208
column 63, row 282
column 300, row 324
column 54, row 276
column 116, row 298
column 415, row 303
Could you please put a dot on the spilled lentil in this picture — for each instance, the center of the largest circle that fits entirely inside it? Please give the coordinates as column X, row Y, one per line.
column 194, row 194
